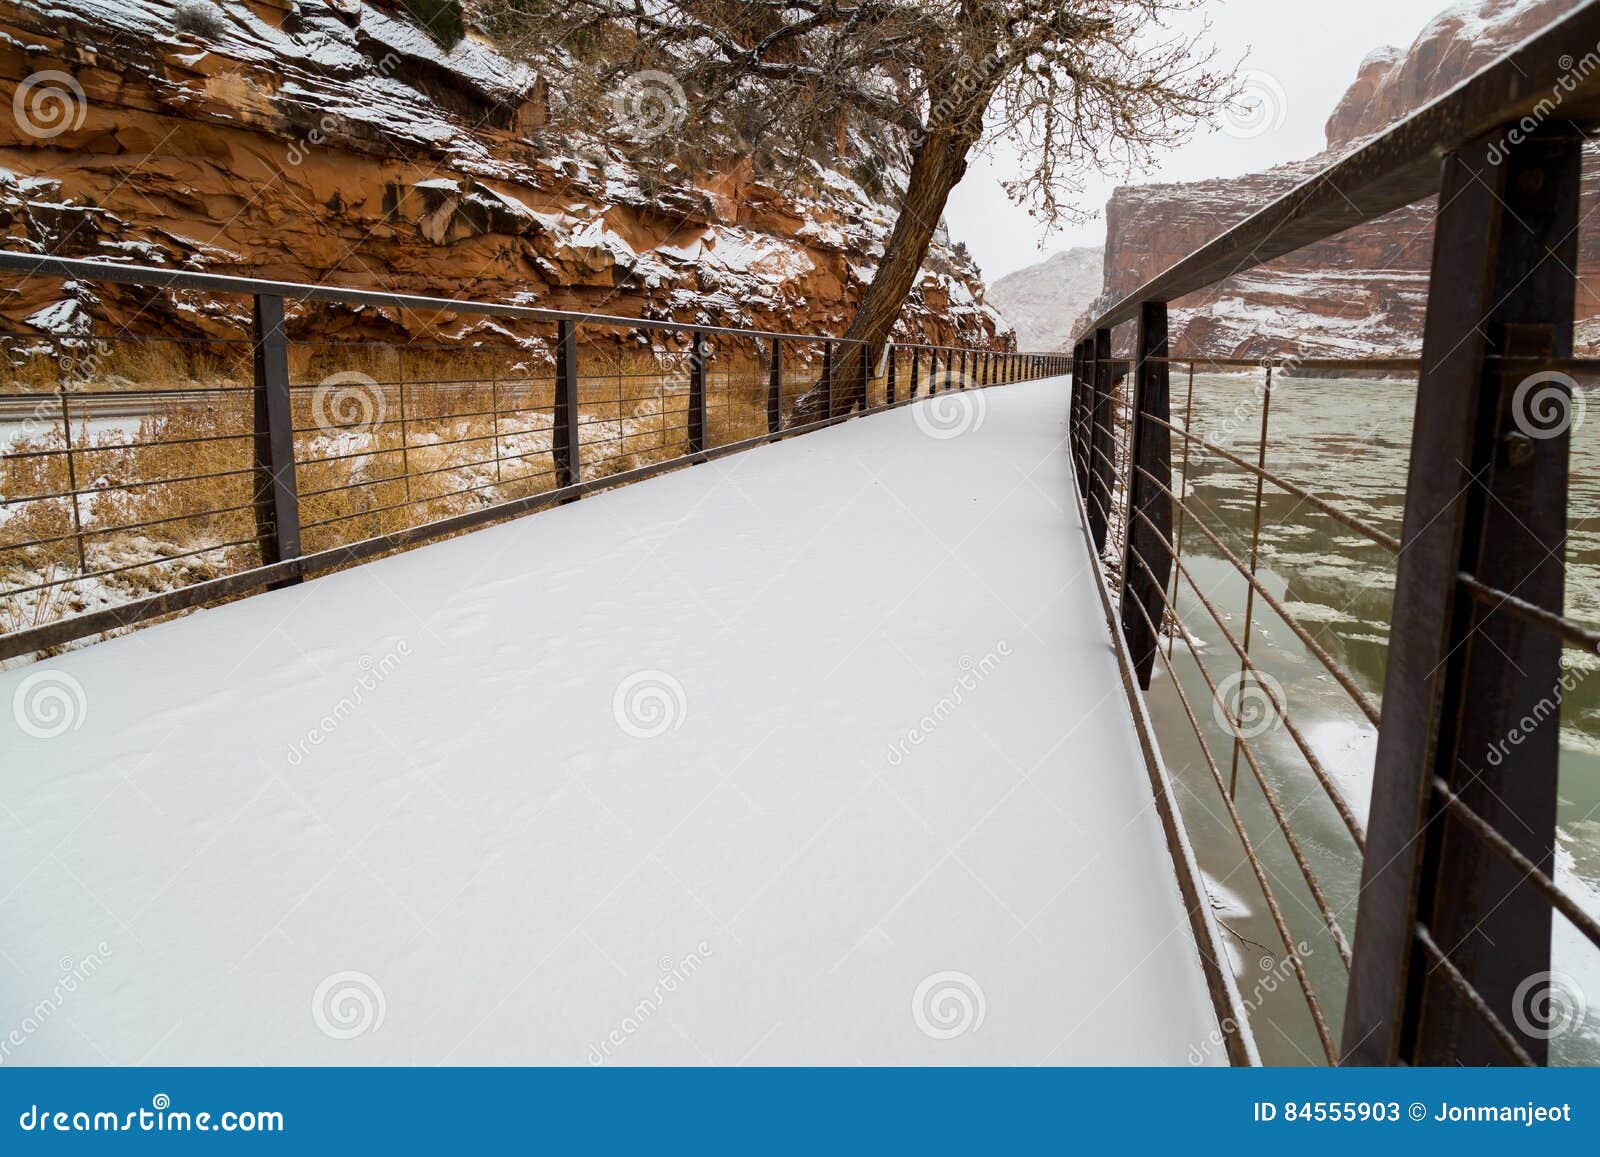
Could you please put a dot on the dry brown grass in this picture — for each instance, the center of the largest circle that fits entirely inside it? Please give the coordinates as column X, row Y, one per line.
column 386, row 438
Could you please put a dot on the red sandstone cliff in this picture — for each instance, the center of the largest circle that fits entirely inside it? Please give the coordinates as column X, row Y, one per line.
column 1363, row 292
column 305, row 140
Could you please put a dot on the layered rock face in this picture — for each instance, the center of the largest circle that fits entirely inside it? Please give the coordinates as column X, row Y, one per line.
column 1043, row 300
column 1364, row 292
column 340, row 143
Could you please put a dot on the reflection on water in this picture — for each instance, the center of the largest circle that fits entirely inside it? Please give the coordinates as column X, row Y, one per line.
column 1348, row 441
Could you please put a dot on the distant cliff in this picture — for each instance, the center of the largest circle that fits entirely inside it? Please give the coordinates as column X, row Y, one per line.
column 1363, row 292
column 1043, row 300
column 339, row 142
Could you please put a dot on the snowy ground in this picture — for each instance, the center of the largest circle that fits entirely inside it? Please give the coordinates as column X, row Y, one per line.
column 814, row 754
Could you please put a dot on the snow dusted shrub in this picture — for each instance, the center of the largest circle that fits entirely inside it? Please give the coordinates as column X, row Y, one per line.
column 442, row 19
column 199, row 18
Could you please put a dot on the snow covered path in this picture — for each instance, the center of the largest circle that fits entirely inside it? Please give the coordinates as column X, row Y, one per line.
column 815, row 754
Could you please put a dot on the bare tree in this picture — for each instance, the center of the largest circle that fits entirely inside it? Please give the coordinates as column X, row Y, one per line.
column 1075, row 85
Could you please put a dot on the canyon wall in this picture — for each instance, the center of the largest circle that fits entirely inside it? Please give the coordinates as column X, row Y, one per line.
column 339, row 143
column 1042, row 300
column 1362, row 293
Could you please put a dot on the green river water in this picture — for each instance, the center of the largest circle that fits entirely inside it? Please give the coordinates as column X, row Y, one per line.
column 1348, row 441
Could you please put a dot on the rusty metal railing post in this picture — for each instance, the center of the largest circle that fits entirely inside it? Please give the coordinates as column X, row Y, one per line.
column 1250, row 589
column 72, row 482
column 1086, row 416
column 1182, row 504
column 775, row 390
column 1075, row 415
column 864, row 384
column 564, row 441
column 1101, row 446
column 1078, row 387
column 827, row 375
column 1487, row 498
column 494, row 425
column 916, row 362
column 697, row 394
column 277, row 501
column 888, row 384
column 405, row 429
column 1147, row 559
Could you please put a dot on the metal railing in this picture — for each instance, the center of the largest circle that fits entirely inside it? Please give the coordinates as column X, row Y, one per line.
column 143, row 475
column 1456, row 895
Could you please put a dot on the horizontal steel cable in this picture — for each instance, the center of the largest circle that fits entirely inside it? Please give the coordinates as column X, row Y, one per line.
column 1335, row 797
column 20, row 455
column 1536, row 876
column 1313, row 1005
column 1362, row 700
column 123, row 486
column 1473, row 998
column 89, row 532
column 1570, row 631
column 1382, row 538
column 252, row 541
column 1271, row 795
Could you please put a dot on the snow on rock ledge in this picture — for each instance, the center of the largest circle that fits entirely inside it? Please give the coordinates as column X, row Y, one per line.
column 288, row 139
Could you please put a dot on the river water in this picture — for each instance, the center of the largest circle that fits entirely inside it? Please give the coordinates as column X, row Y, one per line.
column 1349, row 441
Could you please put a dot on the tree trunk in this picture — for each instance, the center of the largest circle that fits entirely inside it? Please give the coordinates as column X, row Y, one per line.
column 939, row 165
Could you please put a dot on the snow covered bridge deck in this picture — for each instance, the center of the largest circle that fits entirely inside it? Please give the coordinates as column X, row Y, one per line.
column 816, row 753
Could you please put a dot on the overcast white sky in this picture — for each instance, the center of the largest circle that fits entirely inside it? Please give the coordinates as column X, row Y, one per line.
column 1305, row 50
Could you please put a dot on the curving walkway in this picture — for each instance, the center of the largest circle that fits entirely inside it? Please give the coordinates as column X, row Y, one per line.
column 815, row 754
